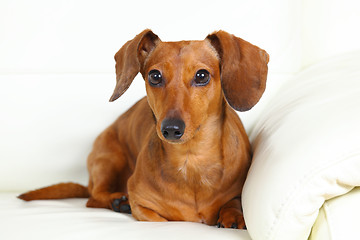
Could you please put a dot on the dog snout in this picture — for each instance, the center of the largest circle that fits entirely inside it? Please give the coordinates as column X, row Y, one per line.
column 172, row 129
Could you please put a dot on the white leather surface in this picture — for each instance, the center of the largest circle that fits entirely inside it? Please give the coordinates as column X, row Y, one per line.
column 339, row 218
column 50, row 121
column 49, row 118
column 70, row 219
column 307, row 150
column 49, row 125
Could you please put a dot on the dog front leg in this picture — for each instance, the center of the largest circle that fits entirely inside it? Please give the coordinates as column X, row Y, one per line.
column 145, row 214
column 231, row 216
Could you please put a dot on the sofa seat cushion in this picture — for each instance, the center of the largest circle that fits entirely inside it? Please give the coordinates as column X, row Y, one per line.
column 70, row 219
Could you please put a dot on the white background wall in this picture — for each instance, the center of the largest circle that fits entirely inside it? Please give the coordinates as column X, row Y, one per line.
column 82, row 36
column 42, row 36
column 329, row 28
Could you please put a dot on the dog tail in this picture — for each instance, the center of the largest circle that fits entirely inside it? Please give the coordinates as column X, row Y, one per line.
column 57, row 191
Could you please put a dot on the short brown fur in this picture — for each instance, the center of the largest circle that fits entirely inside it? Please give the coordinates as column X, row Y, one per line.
column 198, row 177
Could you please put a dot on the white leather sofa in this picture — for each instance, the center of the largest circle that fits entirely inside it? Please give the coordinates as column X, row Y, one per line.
column 56, row 75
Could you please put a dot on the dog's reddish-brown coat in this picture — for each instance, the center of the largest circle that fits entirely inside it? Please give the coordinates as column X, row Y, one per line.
column 198, row 178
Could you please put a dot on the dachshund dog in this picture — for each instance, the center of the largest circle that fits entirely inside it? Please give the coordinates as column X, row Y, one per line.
column 181, row 153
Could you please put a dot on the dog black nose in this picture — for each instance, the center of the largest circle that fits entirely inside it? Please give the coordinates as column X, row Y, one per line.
column 172, row 128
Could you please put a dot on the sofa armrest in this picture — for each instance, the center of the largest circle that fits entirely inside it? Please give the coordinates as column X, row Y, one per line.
column 338, row 218
column 306, row 150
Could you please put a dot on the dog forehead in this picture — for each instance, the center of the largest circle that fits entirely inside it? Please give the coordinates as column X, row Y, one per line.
column 184, row 52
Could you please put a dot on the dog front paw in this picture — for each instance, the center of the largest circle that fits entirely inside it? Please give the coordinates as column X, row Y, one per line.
column 120, row 203
column 231, row 218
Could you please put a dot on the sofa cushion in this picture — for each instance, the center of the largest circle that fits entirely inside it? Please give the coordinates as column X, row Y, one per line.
column 70, row 219
column 338, row 218
column 50, row 124
column 306, row 150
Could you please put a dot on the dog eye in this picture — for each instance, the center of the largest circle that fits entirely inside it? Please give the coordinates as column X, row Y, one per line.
column 155, row 77
column 202, row 77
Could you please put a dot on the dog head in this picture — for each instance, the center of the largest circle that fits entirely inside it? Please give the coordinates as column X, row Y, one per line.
column 187, row 81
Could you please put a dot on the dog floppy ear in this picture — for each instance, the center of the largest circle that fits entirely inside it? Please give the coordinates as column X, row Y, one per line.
column 130, row 58
column 243, row 69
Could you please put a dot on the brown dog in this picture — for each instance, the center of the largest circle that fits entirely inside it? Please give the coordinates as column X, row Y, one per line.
column 181, row 153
